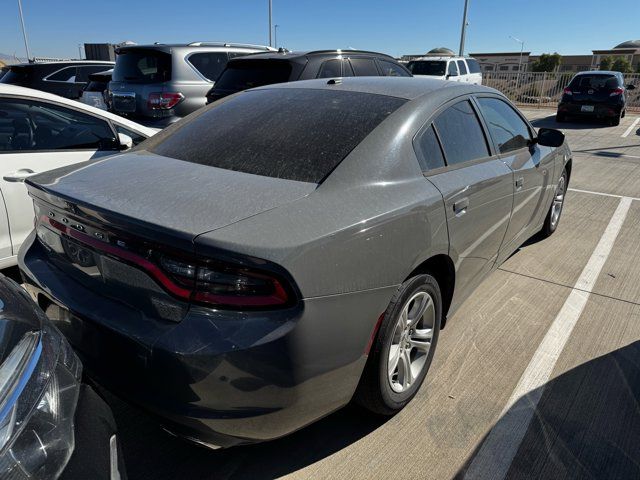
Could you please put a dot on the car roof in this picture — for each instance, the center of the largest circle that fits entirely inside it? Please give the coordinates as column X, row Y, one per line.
column 408, row 88
column 439, row 58
column 302, row 55
column 62, row 63
column 598, row 72
column 6, row 89
column 168, row 47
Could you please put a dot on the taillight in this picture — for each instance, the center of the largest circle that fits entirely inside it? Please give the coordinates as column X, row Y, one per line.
column 164, row 100
column 617, row 91
column 204, row 281
column 567, row 91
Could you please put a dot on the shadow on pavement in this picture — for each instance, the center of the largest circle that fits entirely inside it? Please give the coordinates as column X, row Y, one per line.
column 571, row 124
column 587, row 424
column 151, row 453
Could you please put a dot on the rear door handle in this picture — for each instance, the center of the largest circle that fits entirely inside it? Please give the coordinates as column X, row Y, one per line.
column 519, row 183
column 461, row 206
column 19, row 175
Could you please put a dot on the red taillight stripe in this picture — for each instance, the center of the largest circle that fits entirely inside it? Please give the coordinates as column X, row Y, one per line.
column 148, row 266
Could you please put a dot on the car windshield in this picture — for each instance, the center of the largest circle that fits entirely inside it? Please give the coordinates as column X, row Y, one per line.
column 242, row 75
column 294, row 134
column 428, row 67
column 596, row 82
column 142, row 66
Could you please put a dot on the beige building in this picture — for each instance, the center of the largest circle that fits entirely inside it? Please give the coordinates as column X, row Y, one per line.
column 508, row 61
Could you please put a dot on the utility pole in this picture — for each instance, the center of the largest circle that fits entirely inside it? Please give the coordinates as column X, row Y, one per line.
column 24, row 31
column 275, row 35
column 464, row 27
column 79, row 51
column 270, row 27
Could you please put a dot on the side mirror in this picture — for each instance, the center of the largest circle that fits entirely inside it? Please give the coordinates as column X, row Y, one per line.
column 126, row 142
column 631, row 87
column 550, row 137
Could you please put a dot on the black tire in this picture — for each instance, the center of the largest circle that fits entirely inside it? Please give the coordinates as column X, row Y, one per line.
column 624, row 113
column 549, row 225
column 560, row 118
column 615, row 121
column 374, row 391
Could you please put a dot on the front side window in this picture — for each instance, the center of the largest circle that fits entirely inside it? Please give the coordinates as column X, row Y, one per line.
column 474, row 66
column 364, row 67
column 135, row 136
column 209, row 64
column 390, row 69
column 288, row 133
column 242, row 75
column 452, row 69
column 462, row 67
column 507, row 129
column 31, row 126
column 461, row 134
column 430, row 156
column 82, row 73
column 65, row 75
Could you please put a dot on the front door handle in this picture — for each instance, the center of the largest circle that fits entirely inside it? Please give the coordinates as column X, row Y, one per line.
column 461, row 206
column 519, row 183
column 19, row 175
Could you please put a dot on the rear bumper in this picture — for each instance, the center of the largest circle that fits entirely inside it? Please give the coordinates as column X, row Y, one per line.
column 599, row 110
column 220, row 378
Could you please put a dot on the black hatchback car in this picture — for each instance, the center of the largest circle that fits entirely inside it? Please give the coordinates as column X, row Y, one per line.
column 284, row 66
column 66, row 79
column 599, row 94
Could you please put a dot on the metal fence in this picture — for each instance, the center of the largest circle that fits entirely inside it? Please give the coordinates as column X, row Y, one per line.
column 545, row 89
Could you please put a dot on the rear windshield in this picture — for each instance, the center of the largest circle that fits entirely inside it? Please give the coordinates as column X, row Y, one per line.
column 142, row 66
column 242, row 75
column 16, row 75
column 596, row 82
column 294, row 134
column 428, row 67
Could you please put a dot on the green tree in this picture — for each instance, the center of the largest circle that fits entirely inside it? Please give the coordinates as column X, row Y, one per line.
column 548, row 62
column 605, row 63
column 621, row 65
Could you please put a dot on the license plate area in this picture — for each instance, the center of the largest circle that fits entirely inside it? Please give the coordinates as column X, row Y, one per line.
column 124, row 102
column 587, row 108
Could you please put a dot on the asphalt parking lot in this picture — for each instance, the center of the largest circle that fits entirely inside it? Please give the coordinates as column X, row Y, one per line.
column 536, row 376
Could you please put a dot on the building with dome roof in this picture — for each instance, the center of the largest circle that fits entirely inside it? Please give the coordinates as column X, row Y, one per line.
column 629, row 50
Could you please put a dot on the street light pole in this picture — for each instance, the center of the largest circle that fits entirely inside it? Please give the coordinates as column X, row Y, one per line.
column 275, row 35
column 24, row 31
column 464, row 27
column 521, row 42
column 270, row 17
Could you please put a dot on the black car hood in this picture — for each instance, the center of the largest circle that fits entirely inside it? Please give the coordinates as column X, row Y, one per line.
column 18, row 315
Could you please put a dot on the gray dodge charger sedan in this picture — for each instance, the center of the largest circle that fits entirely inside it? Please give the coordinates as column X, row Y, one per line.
column 290, row 248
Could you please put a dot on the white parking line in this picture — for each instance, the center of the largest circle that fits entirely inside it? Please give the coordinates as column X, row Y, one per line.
column 600, row 193
column 494, row 458
column 631, row 127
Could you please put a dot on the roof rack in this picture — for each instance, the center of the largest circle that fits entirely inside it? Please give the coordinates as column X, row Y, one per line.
column 226, row 44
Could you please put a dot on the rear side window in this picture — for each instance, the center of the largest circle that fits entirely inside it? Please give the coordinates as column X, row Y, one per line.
column 596, row 82
column 209, row 64
column 506, row 127
column 430, row 154
column 294, row 134
column 474, row 66
column 462, row 67
column 142, row 66
column 65, row 75
column 82, row 73
column 242, row 75
column 390, row 69
column 461, row 134
column 364, row 67
column 333, row 68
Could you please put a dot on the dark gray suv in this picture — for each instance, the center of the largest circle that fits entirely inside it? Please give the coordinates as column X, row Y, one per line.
column 158, row 84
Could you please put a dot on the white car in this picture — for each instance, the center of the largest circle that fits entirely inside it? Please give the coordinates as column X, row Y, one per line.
column 457, row 69
column 38, row 132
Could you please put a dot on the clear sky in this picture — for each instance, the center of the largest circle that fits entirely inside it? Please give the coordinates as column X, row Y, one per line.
column 56, row 27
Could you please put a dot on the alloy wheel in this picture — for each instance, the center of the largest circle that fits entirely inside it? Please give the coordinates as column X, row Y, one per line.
column 558, row 201
column 411, row 341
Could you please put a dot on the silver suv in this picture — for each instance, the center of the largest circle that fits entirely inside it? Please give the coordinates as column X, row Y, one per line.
column 158, row 84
